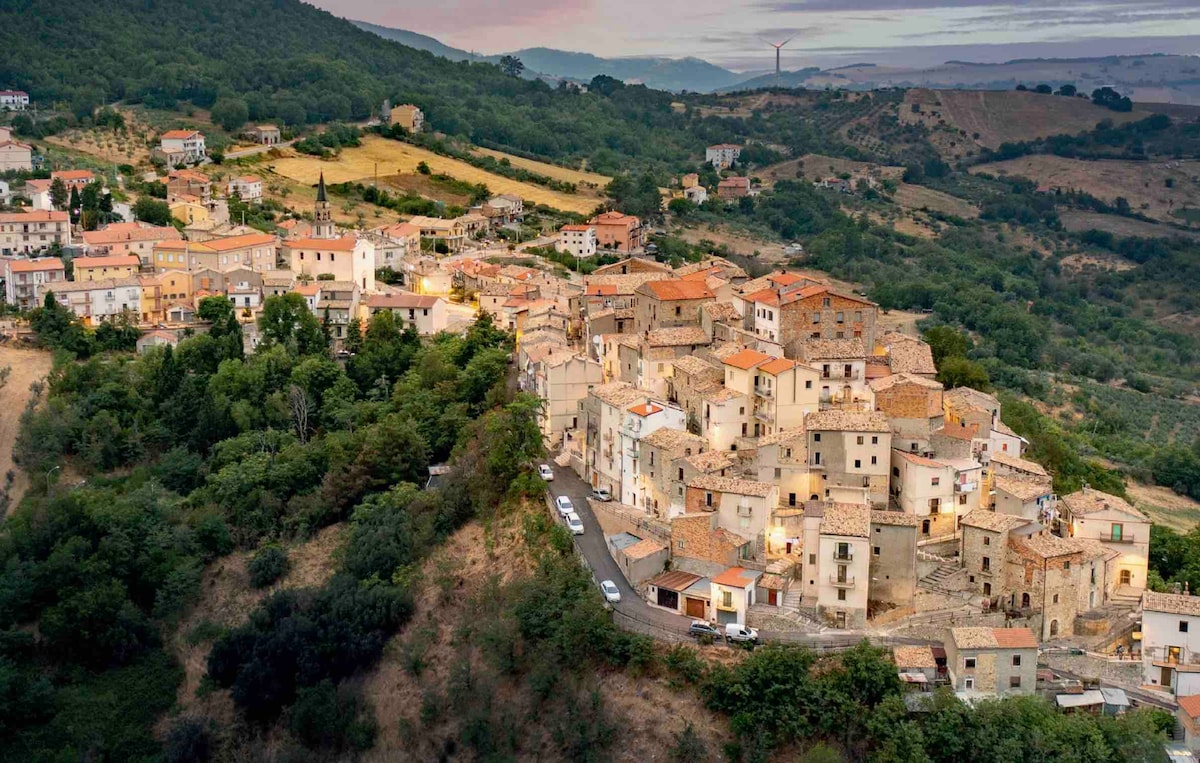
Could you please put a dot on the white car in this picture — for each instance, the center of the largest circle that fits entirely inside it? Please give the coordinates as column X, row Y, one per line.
column 546, row 473
column 602, row 494
column 564, row 505
column 574, row 524
column 611, row 594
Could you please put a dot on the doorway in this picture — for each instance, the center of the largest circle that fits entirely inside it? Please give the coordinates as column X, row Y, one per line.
column 1126, row 577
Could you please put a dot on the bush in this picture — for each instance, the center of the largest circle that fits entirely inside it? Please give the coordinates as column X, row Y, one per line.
column 324, row 718
column 267, row 566
column 188, row 741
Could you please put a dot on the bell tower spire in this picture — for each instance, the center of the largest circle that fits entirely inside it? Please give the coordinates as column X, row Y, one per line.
column 322, row 214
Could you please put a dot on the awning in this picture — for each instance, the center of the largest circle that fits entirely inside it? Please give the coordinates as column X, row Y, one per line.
column 1115, row 697
column 1086, row 699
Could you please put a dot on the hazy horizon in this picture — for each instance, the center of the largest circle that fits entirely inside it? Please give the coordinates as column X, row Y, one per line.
column 824, row 32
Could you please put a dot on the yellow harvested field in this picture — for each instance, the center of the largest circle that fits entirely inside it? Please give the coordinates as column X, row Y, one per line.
column 392, row 157
column 565, row 174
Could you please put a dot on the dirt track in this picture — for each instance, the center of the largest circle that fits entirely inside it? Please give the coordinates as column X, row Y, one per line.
column 27, row 366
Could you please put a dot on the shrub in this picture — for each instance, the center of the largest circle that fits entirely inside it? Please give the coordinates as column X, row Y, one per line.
column 188, row 741
column 268, row 565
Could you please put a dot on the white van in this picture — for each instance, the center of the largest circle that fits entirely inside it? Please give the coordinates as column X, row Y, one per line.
column 736, row 633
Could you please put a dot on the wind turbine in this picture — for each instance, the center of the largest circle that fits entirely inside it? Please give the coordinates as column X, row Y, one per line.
column 779, row 47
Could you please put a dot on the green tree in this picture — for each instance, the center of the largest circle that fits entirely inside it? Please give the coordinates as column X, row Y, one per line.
column 152, row 211
column 286, row 320
column 230, row 113
column 512, row 66
column 59, row 197
column 960, row 372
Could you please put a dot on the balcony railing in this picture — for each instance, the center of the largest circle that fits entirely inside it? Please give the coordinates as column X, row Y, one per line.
column 1162, row 655
column 763, row 391
column 843, row 556
column 847, row 582
column 763, row 415
column 966, row 487
column 633, row 453
column 1122, row 538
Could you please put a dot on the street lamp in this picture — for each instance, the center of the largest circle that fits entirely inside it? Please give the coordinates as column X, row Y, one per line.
column 51, row 471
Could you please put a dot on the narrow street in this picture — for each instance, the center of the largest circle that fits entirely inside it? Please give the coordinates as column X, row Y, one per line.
column 593, row 548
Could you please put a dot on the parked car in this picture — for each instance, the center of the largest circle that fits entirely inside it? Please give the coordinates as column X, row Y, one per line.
column 602, row 494
column 564, row 505
column 574, row 524
column 546, row 473
column 701, row 629
column 737, row 633
column 611, row 594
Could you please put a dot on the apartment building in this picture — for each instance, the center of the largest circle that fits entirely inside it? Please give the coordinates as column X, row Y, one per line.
column 938, row 491
column 744, row 507
column 25, row 281
column 32, row 231
column 850, row 450
column 836, row 568
column 639, row 421
column 1113, row 522
column 346, row 258
column 783, row 392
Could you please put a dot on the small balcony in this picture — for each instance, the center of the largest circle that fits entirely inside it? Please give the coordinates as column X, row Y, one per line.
column 1120, row 538
column 763, row 415
column 633, row 453
column 844, row 557
column 763, row 391
column 836, row 582
column 966, row 487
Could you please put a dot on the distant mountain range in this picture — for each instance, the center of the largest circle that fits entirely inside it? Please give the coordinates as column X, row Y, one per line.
column 675, row 74
column 1151, row 78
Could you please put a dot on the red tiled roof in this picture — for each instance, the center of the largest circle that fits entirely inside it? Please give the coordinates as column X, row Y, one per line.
column 765, row 296
column 1014, row 638
column 343, row 244
column 30, row 266
column 113, row 261
column 180, row 134
column 734, row 577
column 400, row 301
column 777, row 366
column 1190, row 704
column 73, row 175
column 645, row 409
column 747, row 359
column 677, row 290
column 240, row 242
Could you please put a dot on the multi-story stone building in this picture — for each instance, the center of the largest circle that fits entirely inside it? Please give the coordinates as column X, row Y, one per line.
column 850, row 449
column 992, row 661
column 1113, row 522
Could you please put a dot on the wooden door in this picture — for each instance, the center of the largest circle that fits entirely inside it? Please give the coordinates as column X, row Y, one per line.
column 695, row 608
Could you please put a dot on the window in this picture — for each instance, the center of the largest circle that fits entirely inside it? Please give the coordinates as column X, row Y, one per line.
column 681, row 474
column 708, row 499
column 826, row 302
column 812, row 558
column 987, row 563
column 1066, row 565
column 808, row 384
column 817, row 458
column 791, row 499
column 841, row 594
column 1016, row 661
column 874, row 460
column 895, row 471
column 858, row 463
column 874, row 440
column 727, row 599
column 987, row 541
column 968, row 683
column 816, row 318
column 1014, row 682
column 1117, row 532
column 778, row 472
column 935, row 481
column 875, row 550
column 1183, row 626
column 679, row 544
column 968, row 663
column 816, row 437
column 1055, row 598
column 860, row 439
column 678, row 310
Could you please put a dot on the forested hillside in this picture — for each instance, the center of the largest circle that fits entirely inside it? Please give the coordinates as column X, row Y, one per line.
column 293, row 63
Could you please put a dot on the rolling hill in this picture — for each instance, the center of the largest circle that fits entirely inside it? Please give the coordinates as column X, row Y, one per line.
column 291, row 62
column 675, row 74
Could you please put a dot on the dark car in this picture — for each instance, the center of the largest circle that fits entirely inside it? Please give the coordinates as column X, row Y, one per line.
column 701, row 629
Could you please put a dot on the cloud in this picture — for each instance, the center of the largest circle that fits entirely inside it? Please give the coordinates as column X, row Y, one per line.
column 1034, row 6
column 459, row 17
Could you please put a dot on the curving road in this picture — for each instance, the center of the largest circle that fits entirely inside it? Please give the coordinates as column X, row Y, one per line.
column 592, row 547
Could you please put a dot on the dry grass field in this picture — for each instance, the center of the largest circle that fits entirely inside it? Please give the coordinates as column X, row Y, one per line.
column 1124, row 227
column 817, row 166
column 1001, row 116
column 27, row 367
column 920, row 197
column 1142, row 184
column 590, row 183
column 1165, row 507
column 390, row 157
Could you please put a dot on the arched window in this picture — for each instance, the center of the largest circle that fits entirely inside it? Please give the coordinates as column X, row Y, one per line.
column 1053, row 628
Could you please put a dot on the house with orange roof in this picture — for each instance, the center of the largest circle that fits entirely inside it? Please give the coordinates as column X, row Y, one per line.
column 395, row 242
column 346, row 258
column 733, row 188
column 178, row 147
column 579, row 241
column 991, row 661
column 781, row 391
column 30, row 231
column 95, row 302
column 74, row 179
column 641, row 420
column 106, row 266
column 670, row 303
column 293, row 229
column 426, row 314
column 614, row 230
column 938, row 491
column 796, row 310
column 255, row 251
column 247, row 187
column 128, row 238
column 25, row 281
column 733, row 593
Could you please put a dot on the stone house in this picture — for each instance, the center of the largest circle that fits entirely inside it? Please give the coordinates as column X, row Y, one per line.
column 850, row 449
column 743, row 507
column 700, row 546
column 733, row 593
column 664, row 304
column 1028, row 497
column 836, row 568
column 1060, row 578
column 914, row 406
column 992, row 661
column 893, row 567
column 1117, row 525
column 661, row 480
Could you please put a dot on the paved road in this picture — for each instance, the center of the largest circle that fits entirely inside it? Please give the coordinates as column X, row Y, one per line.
column 593, row 548
column 257, row 150
column 591, row 544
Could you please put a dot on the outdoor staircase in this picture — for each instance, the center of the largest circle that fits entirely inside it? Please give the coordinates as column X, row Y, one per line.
column 939, row 579
column 1125, row 596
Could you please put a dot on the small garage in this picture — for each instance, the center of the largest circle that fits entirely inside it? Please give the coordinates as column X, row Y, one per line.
column 667, row 591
